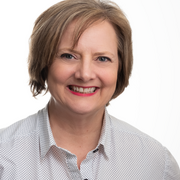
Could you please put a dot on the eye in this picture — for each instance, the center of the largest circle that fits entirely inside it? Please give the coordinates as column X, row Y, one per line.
column 104, row 59
column 67, row 56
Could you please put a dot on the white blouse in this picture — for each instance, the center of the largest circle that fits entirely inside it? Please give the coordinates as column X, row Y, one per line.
column 28, row 151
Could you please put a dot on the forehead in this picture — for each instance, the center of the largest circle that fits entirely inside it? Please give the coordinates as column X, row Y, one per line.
column 100, row 33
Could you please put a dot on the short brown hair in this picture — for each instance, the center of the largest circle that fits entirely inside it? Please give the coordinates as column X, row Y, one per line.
column 50, row 25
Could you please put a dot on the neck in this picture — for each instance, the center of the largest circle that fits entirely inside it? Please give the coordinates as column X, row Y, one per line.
column 75, row 128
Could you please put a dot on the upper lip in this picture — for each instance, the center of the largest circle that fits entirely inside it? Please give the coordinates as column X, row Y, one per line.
column 84, row 86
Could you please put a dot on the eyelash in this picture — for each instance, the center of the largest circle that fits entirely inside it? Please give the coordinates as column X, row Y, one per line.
column 66, row 54
column 108, row 59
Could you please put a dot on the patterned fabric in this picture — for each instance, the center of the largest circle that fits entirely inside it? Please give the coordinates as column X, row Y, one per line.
column 28, row 152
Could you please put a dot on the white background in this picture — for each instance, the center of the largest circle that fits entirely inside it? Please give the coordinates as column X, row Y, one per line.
column 151, row 102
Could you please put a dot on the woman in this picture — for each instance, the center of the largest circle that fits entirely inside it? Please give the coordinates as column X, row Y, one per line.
column 81, row 52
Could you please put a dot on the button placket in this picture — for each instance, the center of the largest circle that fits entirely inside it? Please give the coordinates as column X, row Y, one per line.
column 87, row 164
column 71, row 161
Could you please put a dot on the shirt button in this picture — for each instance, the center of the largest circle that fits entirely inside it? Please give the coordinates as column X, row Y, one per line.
column 95, row 150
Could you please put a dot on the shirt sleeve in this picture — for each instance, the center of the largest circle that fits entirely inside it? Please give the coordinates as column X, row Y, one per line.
column 172, row 171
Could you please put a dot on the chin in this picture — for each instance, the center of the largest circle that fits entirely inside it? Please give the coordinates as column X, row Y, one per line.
column 83, row 109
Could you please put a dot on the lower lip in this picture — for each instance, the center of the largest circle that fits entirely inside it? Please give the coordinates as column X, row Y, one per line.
column 81, row 94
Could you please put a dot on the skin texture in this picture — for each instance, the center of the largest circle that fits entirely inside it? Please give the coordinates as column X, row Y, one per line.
column 76, row 120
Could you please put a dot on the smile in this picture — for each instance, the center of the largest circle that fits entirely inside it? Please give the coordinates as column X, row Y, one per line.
column 82, row 91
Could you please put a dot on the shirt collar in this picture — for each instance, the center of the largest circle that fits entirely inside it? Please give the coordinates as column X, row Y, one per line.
column 105, row 134
column 47, row 139
column 46, row 136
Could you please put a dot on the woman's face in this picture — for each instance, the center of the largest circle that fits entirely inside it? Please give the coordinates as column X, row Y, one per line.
column 82, row 80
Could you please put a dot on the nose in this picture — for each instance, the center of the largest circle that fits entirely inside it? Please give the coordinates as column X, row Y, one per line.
column 85, row 70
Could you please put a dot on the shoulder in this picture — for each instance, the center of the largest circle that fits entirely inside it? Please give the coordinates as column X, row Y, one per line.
column 135, row 137
column 121, row 126
column 149, row 150
column 22, row 128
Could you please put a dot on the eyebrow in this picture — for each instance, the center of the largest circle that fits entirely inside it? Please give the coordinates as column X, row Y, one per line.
column 70, row 50
column 102, row 53
column 96, row 54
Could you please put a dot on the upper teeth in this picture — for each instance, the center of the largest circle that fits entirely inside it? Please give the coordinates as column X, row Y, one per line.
column 83, row 90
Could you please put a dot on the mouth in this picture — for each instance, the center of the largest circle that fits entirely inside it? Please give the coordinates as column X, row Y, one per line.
column 82, row 90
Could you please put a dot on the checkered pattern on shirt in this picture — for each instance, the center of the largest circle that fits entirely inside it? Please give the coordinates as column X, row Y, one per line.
column 28, row 152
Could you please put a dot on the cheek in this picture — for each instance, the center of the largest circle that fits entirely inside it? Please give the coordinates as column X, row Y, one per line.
column 56, row 76
column 59, row 73
column 109, row 79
